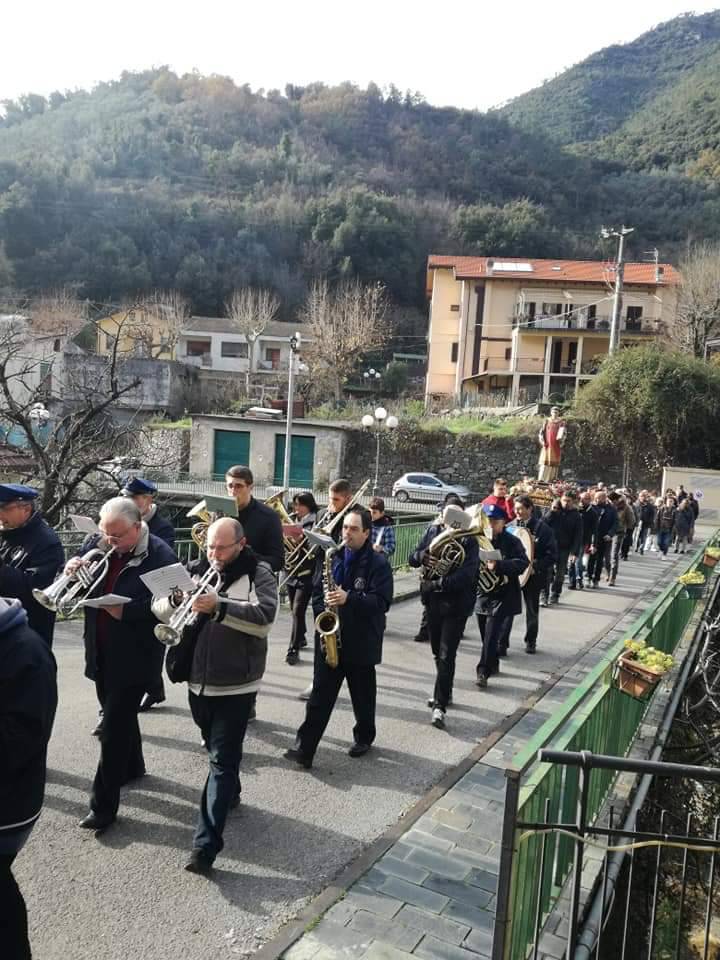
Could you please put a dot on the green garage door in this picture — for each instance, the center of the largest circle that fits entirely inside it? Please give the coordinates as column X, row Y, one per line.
column 302, row 456
column 231, row 447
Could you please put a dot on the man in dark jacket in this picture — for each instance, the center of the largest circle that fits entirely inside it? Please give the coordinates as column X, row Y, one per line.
column 589, row 519
column 31, row 554
column 544, row 558
column 28, row 698
column 262, row 524
column 604, row 538
column 142, row 493
column 121, row 650
column 646, row 518
column 361, row 596
column 566, row 524
column 448, row 598
column 494, row 605
column 227, row 667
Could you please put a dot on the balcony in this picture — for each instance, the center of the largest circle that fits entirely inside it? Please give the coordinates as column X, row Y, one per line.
column 197, row 360
column 645, row 326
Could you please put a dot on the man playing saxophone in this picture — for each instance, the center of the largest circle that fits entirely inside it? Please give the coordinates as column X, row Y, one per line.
column 228, row 663
column 360, row 589
column 498, row 595
column 448, row 596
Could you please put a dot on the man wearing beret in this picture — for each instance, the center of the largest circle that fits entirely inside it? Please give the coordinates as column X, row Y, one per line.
column 31, row 554
column 142, row 493
column 497, row 604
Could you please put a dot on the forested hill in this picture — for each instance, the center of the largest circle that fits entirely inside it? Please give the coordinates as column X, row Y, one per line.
column 640, row 91
column 198, row 184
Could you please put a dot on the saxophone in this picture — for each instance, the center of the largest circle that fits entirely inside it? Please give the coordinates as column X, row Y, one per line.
column 327, row 623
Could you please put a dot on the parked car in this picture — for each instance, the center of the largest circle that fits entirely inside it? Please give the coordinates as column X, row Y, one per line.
column 426, row 487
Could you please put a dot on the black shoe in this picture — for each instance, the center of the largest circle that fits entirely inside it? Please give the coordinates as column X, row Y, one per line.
column 148, row 702
column 358, row 749
column 502, row 651
column 530, row 648
column 572, row 586
column 135, row 775
column 199, row 862
column 235, row 802
column 555, row 598
column 253, row 714
column 97, row 729
column 580, row 585
column 595, row 584
column 481, row 681
column 292, row 657
column 303, row 643
column 96, row 822
column 420, row 639
column 298, row 758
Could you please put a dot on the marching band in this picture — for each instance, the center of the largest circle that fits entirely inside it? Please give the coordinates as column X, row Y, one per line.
column 215, row 627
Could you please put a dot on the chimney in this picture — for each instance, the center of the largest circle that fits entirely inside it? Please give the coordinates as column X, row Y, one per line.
column 489, row 264
column 659, row 273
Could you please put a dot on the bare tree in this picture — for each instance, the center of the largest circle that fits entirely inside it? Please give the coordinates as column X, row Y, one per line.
column 57, row 313
column 69, row 442
column 154, row 321
column 343, row 323
column 251, row 310
column 698, row 313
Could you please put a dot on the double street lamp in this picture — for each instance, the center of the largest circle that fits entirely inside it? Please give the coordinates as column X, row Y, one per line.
column 295, row 341
column 378, row 422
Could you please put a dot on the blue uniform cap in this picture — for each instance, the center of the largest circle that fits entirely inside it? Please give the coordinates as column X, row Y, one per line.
column 10, row 492
column 494, row 512
column 138, row 485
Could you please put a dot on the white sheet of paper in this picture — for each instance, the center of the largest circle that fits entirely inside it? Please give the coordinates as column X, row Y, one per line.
column 109, row 600
column 163, row 582
column 490, row 555
column 84, row 524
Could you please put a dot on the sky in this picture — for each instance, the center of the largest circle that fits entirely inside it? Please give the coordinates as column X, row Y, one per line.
column 465, row 53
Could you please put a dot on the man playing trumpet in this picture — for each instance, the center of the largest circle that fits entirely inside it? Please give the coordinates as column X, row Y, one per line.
column 231, row 627
column 120, row 648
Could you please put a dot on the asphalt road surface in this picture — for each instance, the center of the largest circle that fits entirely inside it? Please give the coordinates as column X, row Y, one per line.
column 126, row 895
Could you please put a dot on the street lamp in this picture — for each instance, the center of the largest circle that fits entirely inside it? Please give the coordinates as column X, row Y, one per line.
column 295, row 341
column 372, row 376
column 375, row 422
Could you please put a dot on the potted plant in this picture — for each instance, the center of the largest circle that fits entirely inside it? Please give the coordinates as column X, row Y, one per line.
column 639, row 668
column 712, row 555
column 694, row 583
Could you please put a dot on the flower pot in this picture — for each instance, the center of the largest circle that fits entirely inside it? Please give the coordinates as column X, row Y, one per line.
column 710, row 561
column 632, row 678
column 695, row 590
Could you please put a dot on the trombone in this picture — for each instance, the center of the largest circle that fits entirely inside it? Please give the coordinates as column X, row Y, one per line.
column 67, row 592
column 170, row 633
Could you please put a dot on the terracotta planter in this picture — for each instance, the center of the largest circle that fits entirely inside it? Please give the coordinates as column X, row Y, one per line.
column 632, row 678
column 710, row 561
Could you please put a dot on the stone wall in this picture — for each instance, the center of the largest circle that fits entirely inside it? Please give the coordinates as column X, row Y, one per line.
column 468, row 459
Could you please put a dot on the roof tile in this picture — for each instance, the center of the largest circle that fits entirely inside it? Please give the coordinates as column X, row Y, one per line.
column 570, row 271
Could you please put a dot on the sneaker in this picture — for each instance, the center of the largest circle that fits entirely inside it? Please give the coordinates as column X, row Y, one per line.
column 543, row 601
column 305, row 695
column 438, row 718
column 611, row 582
column 530, row 648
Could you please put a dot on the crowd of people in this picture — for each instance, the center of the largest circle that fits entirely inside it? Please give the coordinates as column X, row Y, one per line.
column 485, row 560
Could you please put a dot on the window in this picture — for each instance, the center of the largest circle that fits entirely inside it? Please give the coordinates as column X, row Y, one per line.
column 233, row 348
column 56, row 345
column 272, row 356
column 45, row 379
column 455, row 307
column 634, row 318
column 530, row 309
column 197, row 348
column 109, row 341
column 508, row 353
column 454, row 353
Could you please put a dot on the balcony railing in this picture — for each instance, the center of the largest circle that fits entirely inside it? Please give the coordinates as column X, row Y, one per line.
column 645, row 325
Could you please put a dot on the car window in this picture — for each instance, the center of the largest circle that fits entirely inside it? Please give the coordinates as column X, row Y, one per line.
column 414, row 478
column 433, row 482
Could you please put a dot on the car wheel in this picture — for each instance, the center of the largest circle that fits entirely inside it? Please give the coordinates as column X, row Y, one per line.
column 403, row 496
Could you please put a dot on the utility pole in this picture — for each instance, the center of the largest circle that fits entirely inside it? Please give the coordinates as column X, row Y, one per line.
column 606, row 233
column 295, row 341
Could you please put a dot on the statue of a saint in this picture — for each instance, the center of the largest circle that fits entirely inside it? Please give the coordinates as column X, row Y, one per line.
column 552, row 437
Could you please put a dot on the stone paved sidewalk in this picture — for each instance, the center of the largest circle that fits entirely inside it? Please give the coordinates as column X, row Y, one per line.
column 431, row 893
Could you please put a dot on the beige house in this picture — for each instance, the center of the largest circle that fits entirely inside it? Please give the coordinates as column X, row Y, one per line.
column 518, row 330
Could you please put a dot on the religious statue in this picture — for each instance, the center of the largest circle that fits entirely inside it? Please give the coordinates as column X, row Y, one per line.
column 551, row 437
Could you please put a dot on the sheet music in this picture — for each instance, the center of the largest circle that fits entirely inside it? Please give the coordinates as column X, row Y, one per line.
column 166, row 580
column 109, row 600
column 83, row 524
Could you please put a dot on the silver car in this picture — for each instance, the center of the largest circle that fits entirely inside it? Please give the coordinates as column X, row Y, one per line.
column 426, row 487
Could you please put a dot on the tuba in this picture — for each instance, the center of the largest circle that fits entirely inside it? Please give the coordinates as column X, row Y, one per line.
column 446, row 552
column 68, row 591
column 199, row 529
column 275, row 502
column 487, row 580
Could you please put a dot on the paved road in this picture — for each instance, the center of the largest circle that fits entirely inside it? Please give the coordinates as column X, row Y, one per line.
column 126, row 894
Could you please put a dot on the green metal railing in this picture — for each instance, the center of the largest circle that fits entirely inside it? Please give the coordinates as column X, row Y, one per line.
column 598, row 718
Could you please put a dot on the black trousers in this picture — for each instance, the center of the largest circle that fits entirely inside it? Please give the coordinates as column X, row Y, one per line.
column 560, row 573
column 600, row 559
column 362, row 685
column 627, row 543
column 14, row 943
column 492, row 630
column 121, row 756
column 299, row 597
column 445, row 632
column 531, row 594
column 156, row 689
column 645, row 530
column 422, row 633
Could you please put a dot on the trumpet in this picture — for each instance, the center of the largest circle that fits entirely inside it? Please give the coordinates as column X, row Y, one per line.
column 170, row 633
column 68, row 591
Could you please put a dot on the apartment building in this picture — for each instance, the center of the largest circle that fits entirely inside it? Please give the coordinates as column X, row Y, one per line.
column 520, row 330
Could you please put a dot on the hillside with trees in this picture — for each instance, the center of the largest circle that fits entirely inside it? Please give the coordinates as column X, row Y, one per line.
column 196, row 184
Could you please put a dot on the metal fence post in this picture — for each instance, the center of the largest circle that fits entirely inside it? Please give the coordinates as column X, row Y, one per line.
column 502, row 932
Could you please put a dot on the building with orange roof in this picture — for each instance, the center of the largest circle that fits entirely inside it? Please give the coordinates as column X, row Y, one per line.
column 509, row 331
